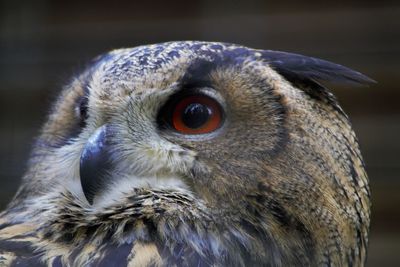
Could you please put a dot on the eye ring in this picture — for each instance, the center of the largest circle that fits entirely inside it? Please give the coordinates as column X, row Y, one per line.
column 196, row 114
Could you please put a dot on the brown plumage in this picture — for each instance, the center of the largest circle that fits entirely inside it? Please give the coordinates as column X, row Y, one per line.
column 260, row 167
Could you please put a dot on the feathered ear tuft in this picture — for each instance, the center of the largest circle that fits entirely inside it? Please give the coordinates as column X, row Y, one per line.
column 295, row 66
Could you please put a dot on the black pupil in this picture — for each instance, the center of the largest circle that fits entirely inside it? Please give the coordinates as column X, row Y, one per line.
column 196, row 115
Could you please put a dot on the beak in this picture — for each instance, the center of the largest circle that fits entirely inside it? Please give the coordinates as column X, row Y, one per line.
column 95, row 163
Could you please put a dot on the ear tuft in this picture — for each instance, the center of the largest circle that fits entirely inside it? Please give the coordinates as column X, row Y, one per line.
column 294, row 66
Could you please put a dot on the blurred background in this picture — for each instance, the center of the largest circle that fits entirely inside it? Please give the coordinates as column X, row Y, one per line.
column 43, row 43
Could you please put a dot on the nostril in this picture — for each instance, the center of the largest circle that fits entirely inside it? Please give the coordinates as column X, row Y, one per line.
column 95, row 163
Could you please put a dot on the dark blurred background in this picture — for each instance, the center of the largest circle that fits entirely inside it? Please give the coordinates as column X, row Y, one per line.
column 43, row 43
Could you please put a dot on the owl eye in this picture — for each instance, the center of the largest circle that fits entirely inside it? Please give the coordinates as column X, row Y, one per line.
column 196, row 114
column 81, row 110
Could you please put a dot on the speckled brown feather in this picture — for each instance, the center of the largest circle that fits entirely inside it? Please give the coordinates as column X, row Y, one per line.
column 281, row 183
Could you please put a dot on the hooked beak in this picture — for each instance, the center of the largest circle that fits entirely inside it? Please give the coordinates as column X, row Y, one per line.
column 95, row 163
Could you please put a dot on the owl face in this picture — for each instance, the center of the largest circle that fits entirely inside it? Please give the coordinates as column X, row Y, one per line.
column 209, row 126
column 249, row 137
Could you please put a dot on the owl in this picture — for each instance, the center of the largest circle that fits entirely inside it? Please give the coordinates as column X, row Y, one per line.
column 194, row 154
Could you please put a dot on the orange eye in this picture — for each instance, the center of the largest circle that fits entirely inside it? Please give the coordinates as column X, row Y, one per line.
column 196, row 114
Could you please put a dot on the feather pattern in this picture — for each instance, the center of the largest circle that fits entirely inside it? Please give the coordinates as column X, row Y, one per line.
column 279, row 182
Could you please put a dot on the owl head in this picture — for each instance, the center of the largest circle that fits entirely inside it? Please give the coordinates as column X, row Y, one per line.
column 244, row 147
